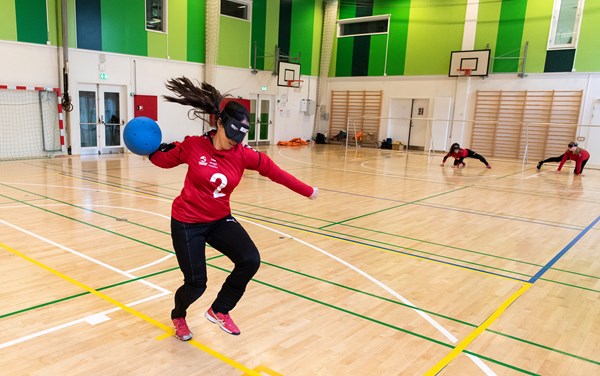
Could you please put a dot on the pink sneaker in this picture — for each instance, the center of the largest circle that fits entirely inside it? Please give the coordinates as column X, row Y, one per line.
column 181, row 329
column 224, row 321
column 488, row 166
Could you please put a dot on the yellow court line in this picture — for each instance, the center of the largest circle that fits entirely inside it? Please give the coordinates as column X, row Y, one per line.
column 142, row 316
column 474, row 334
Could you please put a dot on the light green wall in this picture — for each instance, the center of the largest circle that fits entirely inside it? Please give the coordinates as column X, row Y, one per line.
column 234, row 42
column 177, row 27
column 488, row 16
column 536, row 31
column 318, row 31
column 587, row 58
column 434, row 31
column 8, row 20
column 157, row 45
column 271, row 33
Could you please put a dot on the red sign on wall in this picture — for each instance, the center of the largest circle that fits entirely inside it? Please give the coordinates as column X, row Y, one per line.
column 145, row 105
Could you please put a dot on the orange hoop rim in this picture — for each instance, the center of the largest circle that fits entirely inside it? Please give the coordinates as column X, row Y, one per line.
column 467, row 71
column 291, row 82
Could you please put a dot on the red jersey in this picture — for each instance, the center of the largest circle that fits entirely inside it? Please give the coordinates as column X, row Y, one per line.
column 213, row 174
column 463, row 153
column 583, row 155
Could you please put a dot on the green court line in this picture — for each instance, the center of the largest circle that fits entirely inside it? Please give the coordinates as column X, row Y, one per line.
column 393, row 207
column 79, row 207
column 91, row 225
column 374, row 241
column 428, row 312
column 396, row 302
column 286, row 224
column 379, row 322
column 85, row 293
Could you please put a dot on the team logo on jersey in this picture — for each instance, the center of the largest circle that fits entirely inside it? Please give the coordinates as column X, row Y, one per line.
column 205, row 162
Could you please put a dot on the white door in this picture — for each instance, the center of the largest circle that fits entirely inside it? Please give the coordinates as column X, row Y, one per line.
column 261, row 119
column 399, row 121
column 101, row 118
column 418, row 128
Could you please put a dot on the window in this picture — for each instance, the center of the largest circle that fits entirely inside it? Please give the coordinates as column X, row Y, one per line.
column 156, row 15
column 364, row 26
column 238, row 9
column 566, row 19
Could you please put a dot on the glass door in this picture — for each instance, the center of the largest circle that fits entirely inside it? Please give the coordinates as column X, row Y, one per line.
column 261, row 120
column 101, row 123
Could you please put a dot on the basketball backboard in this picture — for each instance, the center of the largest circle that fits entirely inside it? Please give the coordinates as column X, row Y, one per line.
column 476, row 62
column 288, row 74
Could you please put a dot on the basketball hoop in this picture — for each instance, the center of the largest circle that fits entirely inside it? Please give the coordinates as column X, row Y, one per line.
column 465, row 72
column 295, row 83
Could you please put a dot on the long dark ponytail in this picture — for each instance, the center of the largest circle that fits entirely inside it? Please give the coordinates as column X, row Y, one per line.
column 204, row 99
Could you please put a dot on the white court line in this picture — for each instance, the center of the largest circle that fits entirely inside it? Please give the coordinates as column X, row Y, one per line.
column 89, row 319
column 377, row 172
column 424, row 315
column 91, row 259
column 151, row 264
column 112, row 207
column 448, row 335
column 92, row 190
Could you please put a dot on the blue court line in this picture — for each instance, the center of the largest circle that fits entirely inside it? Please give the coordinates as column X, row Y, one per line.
column 563, row 251
column 381, row 247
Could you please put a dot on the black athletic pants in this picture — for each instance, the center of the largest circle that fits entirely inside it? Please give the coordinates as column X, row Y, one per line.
column 553, row 159
column 228, row 237
column 471, row 154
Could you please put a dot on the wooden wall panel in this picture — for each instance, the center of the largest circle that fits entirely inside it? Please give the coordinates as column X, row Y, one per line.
column 506, row 124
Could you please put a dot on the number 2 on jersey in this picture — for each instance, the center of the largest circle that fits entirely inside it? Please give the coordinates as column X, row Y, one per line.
column 218, row 176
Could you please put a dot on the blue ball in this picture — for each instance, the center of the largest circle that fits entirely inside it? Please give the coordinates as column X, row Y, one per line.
column 142, row 135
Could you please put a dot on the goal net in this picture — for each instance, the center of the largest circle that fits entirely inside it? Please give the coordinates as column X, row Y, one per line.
column 29, row 124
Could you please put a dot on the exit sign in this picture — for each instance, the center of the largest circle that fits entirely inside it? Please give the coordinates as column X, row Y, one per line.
column 103, row 76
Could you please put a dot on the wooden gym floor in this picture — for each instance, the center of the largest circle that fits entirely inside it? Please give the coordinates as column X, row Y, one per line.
column 401, row 267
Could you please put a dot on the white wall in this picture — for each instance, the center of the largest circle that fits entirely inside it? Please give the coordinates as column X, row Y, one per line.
column 34, row 65
column 29, row 64
column 461, row 92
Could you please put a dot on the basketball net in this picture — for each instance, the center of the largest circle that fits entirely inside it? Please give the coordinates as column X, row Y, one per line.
column 466, row 72
column 295, row 83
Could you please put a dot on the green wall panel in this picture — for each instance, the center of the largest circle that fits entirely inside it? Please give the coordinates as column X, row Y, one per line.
column 32, row 25
column 377, row 55
column 259, row 25
column 196, row 21
column 317, row 34
column 399, row 11
column 345, row 46
column 488, row 17
column 333, row 62
column 71, row 24
column 536, row 31
column 234, row 42
column 177, row 30
column 434, row 31
column 510, row 36
column 271, row 33
column 8, row 20
column 53, row 22
column 301, row 35
column 124, row 27
column 587, row 56
column 157, row 45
